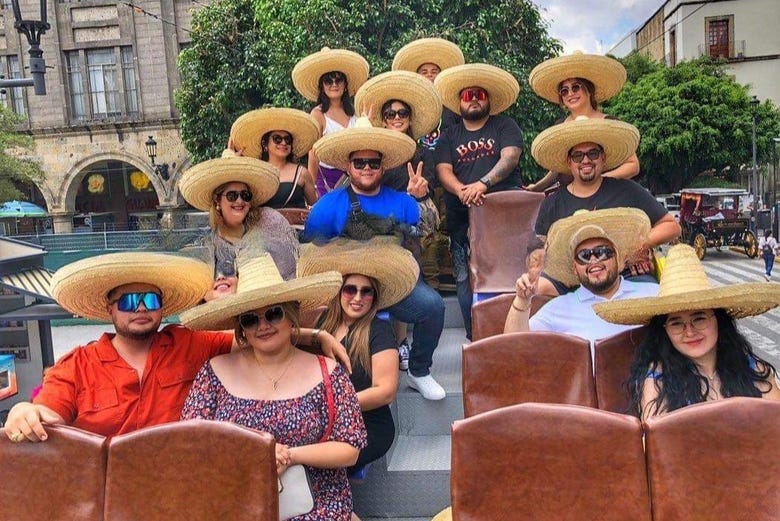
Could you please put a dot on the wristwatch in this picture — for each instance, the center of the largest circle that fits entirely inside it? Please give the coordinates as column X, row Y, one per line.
column 485, row 181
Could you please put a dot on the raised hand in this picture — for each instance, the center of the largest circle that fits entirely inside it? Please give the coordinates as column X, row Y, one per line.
column 418, row 185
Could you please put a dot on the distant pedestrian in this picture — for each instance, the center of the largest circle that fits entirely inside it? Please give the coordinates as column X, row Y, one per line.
column 769, row 248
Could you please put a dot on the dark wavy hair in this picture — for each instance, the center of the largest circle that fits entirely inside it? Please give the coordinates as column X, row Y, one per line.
column 264, row 146
column 679, row 381
column 589, row 86
column 324, row 102
column 389, row 104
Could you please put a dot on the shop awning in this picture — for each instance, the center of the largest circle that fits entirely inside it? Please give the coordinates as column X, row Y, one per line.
column 35, row 282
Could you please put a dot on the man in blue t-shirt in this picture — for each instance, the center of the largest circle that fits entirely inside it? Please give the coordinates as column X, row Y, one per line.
column 479, row 155
column 366, row 208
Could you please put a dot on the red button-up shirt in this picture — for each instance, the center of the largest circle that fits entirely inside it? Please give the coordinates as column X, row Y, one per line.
column 95, row 389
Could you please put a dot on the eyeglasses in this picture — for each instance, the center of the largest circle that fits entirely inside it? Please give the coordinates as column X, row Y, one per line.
column 698, row 323
column 272, row 315
column 278, row 139
column 597, row 254
column 129, row 302
column 400, row 113
column 374, row 163
column 233, row 195
column 574, row 88
column 473, row 94
column 333, row 80
column 593, row 154
column 350, row 290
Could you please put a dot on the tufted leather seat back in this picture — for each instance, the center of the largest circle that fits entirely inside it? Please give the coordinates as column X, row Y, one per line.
column 613, row 357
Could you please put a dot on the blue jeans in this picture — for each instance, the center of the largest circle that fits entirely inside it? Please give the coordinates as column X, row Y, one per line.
column 769, row 262
column 459, row 249
column 424, row 308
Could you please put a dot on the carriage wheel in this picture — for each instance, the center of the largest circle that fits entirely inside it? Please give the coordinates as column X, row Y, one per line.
column 751, row 245
column 700, row 245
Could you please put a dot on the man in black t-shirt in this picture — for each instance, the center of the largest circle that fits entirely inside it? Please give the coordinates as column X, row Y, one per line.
column 481, row 154
column 585, row 148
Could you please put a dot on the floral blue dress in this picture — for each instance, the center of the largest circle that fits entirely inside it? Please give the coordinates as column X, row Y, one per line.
column 294, row 422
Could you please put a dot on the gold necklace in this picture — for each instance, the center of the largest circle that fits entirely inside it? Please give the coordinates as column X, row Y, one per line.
column 275, row 382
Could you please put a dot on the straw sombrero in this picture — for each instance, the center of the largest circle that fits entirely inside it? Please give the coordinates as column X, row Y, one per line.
column 307, row 72
column 393, row 267
column 625, row 228
column 551, row 147
column 82, row 287
column 253, row 125
column 438, row 51
column 199, row 182
column 685, row 287
column 396, row 147
column 607, row 74
column 260, row 285
column 414, row 90
column 502, row 87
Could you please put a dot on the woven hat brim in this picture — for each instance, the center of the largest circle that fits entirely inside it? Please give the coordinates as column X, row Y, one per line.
column 502, row 87
column 619, row 140
column 199, row 182
column 739, row 301
column 438, row 51
column 82, row 287
column 625, row 228
column 394, row 268
column 411, row 88
column 334, row 149
column 248, row 129
column 311, row 292
column 307, row 72
column 607, row 74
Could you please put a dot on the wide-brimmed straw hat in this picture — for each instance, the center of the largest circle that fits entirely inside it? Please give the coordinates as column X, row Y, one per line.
column 307, row 72
column 502, row 87
column 334, row 149
column 442, row 53
column 625, row 228
column 618, row 139
column 197, row 184
column 260, row 285
column 248, row 129
column 685, row 287
column 414, row 90
column 393, row 267
column 607, row 74
column 82, row 287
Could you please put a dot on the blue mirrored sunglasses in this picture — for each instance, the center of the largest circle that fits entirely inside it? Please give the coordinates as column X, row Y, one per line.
column 129, row 302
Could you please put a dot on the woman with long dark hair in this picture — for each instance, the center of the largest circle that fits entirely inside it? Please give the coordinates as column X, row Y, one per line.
column 693, row 351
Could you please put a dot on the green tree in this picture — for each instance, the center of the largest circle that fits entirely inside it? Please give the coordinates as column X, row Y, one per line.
column 693, row 118
column 243, row 51
column 15, row 168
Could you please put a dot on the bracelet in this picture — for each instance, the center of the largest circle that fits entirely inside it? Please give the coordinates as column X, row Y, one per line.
column 521, row 309
column 314, row 337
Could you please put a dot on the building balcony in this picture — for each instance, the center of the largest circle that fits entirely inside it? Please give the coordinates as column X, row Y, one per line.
column 732, row 51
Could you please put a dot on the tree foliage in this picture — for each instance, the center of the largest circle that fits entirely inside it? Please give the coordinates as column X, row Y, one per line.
column 15, row 168
column 243, row 51
column 693, row 118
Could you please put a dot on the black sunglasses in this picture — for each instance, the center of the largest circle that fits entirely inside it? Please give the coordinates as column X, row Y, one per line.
column 350, row 290
column 599, row 254
column 400, row 113
column 593, row 154
column 334, row 78
column 277, row 139
column 575, row 88
column 272, row 315
column 129, row 302
column 233, row 195
column 374, row 163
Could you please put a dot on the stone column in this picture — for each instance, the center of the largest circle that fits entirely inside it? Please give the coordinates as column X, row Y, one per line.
column 62, row 222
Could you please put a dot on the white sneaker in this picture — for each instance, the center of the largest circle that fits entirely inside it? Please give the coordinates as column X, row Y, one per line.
column 427, row 386
column 768, row 277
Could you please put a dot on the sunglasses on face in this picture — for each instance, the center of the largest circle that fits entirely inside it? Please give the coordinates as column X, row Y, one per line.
column 473, row 94
column 697, row 322
column 374, row 163
column 129, row 302
column 278, row 139
column 574, row 88
column 350, row 290
column 593, row 154
column 597, row 254
column 233, row 195
column 272, row 315
column 400, row 113
column 333, row 80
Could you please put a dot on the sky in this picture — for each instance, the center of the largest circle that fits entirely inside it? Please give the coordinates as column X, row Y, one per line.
column 594, row 26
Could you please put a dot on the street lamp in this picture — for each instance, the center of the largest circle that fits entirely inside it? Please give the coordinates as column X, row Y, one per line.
column 774, row 170
column 33, row 30
column 151, row 150
column 754, row 102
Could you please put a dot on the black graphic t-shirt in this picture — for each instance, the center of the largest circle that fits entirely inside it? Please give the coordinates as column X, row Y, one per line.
column 448, row 119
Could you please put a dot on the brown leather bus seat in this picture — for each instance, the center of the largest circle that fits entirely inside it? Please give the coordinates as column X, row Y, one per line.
column 192, row 471
column 613, row 357
column 61, row 478
column 716, row 460
column 549, row 462
column 526, row 367
column 488, row 317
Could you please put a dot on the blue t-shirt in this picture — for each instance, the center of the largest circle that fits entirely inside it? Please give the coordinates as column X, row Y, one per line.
column 329, row 215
